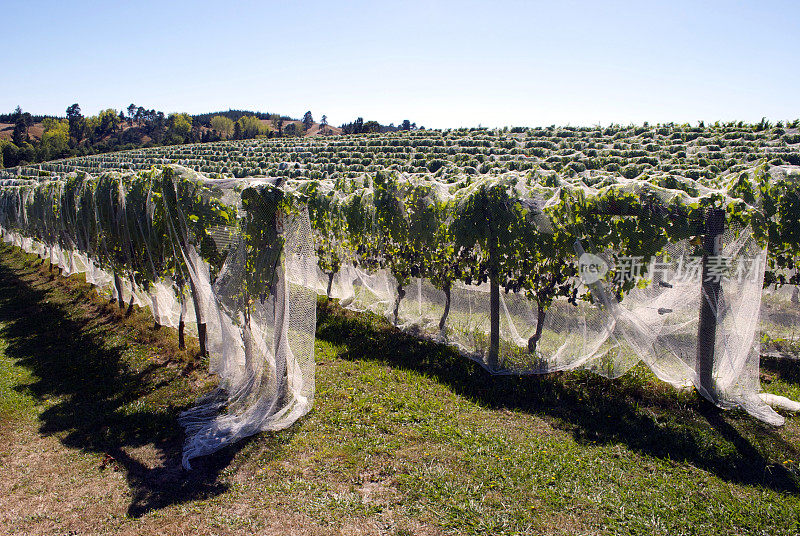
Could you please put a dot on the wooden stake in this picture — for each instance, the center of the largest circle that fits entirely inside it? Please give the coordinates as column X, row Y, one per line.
column 709, row 300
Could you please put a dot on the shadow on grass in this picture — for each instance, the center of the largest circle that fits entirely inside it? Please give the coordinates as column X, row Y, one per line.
column 784, row 368
column 102, row 403
column 636, row 410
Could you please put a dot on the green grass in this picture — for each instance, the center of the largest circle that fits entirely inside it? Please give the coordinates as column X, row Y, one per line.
column 407, row 437
column 15, row 401
column 513, row 454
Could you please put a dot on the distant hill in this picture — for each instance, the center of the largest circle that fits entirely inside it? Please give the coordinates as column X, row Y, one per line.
column 24, row 139
column 36, row 130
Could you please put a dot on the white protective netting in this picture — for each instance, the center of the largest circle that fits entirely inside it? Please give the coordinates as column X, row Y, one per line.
column 496, row 266
column 264, row 351
column 656, row 324
column 232, row 261
column 656, row 321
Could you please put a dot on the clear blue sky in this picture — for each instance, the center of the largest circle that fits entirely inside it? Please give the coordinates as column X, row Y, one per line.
column 440, row 64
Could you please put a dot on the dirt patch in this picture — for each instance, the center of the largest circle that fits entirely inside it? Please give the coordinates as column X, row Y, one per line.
column 7, row 129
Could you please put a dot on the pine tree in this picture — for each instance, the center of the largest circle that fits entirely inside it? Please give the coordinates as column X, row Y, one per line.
column 308, row 120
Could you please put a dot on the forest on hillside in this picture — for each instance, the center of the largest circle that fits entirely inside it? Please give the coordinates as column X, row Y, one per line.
column 28, row 139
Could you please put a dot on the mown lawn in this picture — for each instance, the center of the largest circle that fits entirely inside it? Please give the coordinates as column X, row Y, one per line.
column 406, row 437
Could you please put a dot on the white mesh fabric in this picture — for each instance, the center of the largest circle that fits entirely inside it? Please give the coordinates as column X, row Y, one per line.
column 375, row 230
column 266, row 363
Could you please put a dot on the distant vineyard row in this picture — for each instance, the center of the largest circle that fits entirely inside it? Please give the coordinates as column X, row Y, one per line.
column 701, row 153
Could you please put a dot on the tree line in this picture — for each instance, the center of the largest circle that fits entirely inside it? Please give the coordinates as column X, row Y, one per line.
column 359, row 126
column 136, row 126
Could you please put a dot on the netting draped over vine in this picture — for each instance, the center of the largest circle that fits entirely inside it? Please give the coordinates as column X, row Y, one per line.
column 232, row 260
column 526, row 273
column 426, row 255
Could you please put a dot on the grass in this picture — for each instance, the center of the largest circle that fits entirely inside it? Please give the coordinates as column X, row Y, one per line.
column 407, row 437
column 15, row 400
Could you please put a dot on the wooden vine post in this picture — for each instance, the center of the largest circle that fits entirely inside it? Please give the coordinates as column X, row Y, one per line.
column 493, row 356
column 118, row 288
column 494, row 318
column 710, row 299
column 198, row 312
